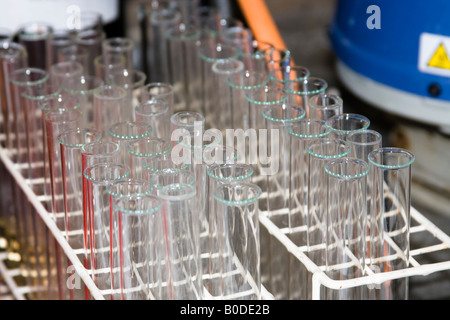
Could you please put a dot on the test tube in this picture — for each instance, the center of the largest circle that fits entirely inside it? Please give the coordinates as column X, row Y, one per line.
column 110, row 106
column 183, row 261
column 283, row 75
column 325, row 106
column 239, row 84
column 160, row 20
column 301, row 90
column 59, row 39
column 211, row 51
column 98, row 177
column 84, row 87
column 236, row 208
column 344, row 124
column 13, row 56
column 119, row 46
column 276, row 167
column 238, row 37
column 140, row 150
column 159, row 91
column 136, row 233
column 222, row 70
column 156, row 114
column 91, row 41
column 256, row 55
column 126, row 131
column 71, row 142
column 104, row 66
column 32, row 81
column 390, row 210
column 35, row 37
column 74, row 53
column 61, row 71
column 346, row 180
column 184, row 66
column 280, row 58
column 320, row 151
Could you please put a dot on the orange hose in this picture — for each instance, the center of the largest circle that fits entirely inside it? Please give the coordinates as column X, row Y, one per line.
column 260, row 21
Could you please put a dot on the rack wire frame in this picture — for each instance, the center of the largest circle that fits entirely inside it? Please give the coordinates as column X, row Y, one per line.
column 436, row 238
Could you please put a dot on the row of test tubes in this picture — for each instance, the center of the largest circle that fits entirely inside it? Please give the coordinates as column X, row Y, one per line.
column 158, row 184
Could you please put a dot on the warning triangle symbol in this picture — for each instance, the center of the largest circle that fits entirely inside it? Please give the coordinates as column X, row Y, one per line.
column 440, row 59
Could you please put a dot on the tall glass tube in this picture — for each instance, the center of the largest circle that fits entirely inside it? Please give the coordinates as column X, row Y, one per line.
column 74, row 53
column 184, row 66
column 346, row 180
column 131, row 80
column 112, row 47
column 35, row 37
column 239, row 84
column 59, row 39
column 284, row 74
column 280, row 58
column 60, row 71
column 238, row 37
column 104, row 66
column 71, row 142
column 159, row 22
column 344, row 124
column 320, row 151
column 211, row 51
column 110, row 104
column 13, row 56
column 236, row 208
column 183, row 252
column 256, row 55
column 390, row 209
column 156, row 114
column 158, row 91
column 222, row 70
column 99, row 211
column 137, row 236
column 91, row 40
column 83, row 87
column 32, row 81
column 124, row 132
column 142, row 149
column 276, row 167
column 324, row 106
column 301, row 90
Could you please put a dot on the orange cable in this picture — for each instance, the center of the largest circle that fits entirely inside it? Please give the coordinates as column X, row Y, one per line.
column 260, row 21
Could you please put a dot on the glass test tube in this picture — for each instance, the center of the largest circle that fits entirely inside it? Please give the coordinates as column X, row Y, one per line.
column 71, row 142
column 390, row 209
column 13, row 56
column 211, row 51
column 119, row 46
column 324, row 106
column 97, row 198
column 282, row 75
column 182, row 242
column 236, row 208
column 84, row 87
column 60, row 71
column 300, row 91
column 140, row 150
column 184, row 66
column 158, row 91
column 344, row 124
column 256, row 55
column 275, row 161
column 156, row 114
column 222, row 70
column 346, row 180
column 320, row 151
column 74, row 53
column 126, row 131
column 35, row 37
column 59, row 39
column 110, row 106
column 104, row 66
column 238, row 37
column 32, row 81
column 239, row 84
column 136, row 233
column 91, row 40
column 280, row 58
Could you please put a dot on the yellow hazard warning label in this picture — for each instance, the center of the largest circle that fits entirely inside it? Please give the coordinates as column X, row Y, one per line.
column 440, row 58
